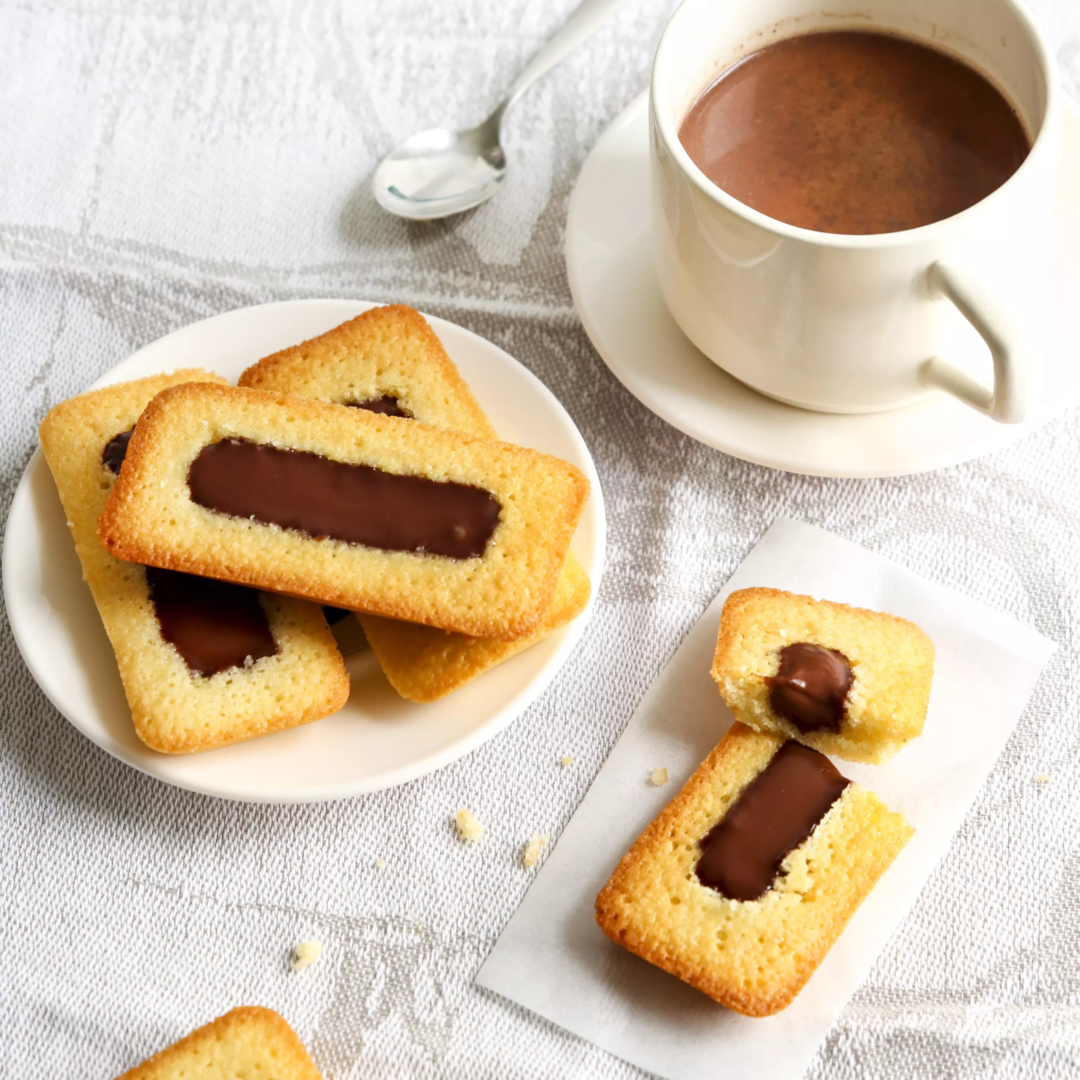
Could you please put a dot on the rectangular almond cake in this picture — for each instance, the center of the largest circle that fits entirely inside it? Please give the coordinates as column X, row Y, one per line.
column 203, row 663
column 249, row 1043
column 390, row 361
column 746, row 879
column 387, row 360
column 844, row 680
column 346, row 507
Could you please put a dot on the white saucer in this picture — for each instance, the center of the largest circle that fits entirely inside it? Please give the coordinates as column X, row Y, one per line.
column 376, row 741
column 609, row 263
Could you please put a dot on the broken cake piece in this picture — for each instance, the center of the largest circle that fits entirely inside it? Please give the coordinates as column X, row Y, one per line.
column 843, row 680
column 746, row 879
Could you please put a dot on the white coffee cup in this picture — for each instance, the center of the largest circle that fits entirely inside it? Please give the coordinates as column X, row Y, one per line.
column 843, row 323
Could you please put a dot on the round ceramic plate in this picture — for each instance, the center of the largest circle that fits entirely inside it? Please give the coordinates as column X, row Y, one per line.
column 377, row 740
column 609, row 263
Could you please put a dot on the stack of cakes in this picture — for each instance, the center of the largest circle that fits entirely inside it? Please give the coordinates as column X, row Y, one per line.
column 355, row 470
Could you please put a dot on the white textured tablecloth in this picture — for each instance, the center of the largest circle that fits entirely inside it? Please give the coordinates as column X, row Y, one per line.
column 164, row 161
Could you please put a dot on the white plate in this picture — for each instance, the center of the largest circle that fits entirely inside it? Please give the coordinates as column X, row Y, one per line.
column 377, row 740
column 609, row 263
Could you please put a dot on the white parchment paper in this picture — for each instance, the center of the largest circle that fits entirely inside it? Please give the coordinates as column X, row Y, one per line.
column 552, row 957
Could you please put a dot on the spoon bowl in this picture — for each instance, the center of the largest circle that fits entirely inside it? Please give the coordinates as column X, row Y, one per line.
column 441, row 172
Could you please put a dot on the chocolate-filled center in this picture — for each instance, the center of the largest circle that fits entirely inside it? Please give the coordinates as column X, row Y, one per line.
column 212, row 624
column 811, row 687
column 776, row 812
column 387, row 405
column 112, row 457
column 358, row 504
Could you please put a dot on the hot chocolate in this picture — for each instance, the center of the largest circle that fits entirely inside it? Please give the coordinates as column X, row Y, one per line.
column 854, row 132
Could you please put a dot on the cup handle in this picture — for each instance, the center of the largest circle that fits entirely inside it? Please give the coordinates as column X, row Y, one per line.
column 1006, row 401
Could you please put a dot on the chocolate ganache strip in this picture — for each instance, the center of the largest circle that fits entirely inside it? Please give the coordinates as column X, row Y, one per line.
column 334, row 615
column 811, row 687
column 213, row 625
column 112, row 457
column 358, row 504
column 776, row 812
column 387, row 405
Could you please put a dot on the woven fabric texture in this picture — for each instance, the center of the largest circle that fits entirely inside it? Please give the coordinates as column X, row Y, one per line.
column 166, row 160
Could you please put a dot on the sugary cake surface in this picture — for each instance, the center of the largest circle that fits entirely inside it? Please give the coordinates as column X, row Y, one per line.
column 392, row 352
column 173, row 710
column 751, row 956
column 151, row 517
column 249, row 1043
column 386, row 352
column 892, row 661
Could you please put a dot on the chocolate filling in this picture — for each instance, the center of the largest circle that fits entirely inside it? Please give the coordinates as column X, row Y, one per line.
column 811, row 687
column 387, row 405
column 112, row 457
column 358, row 504
column 776, row 812
column 214, row 625
column 334, row 615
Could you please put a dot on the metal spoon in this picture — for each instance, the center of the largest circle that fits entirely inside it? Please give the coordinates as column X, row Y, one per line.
column 441, row 172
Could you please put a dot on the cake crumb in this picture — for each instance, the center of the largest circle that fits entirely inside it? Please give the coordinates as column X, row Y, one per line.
column 468, row 827
column 658, row 777
column 532, row 849
column 380, row 864
column 566, row 760
column 1042, row 778
column 305, row 954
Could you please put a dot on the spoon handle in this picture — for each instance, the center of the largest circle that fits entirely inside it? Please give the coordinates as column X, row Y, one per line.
column 587, row 17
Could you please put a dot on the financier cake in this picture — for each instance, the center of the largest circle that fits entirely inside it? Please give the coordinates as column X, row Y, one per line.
column 346, row 507
column 844, row 680
column 203, row 663
column 248, row 1042
column 746, row 879
column 389, row 360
